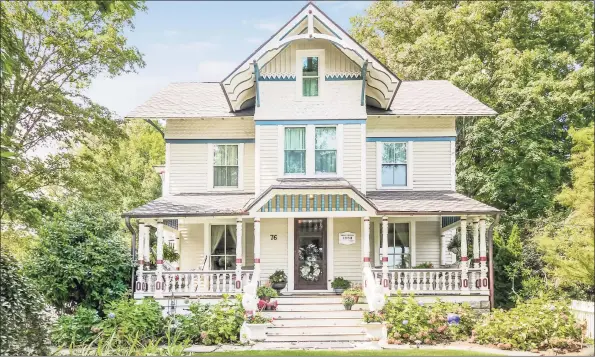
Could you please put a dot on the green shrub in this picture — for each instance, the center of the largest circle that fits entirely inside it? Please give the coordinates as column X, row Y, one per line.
column 213, row 324
column 408, row 321
column 22, row 318
column 278, row 276
column 534, row 324
column 340, row 283
column 128, row 319
column 76, row 329
column 266, row 291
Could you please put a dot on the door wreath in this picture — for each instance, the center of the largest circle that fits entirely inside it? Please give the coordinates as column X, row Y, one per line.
column 310, row 271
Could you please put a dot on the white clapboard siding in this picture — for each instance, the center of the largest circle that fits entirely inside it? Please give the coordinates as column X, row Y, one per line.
column 371, row 166
column 212, row 128
column 431, row 165
column 187, row 168
column 248, row 174
column 191, row 246
column 347, row 259
column 585, row 311
column 249, row 244
column 427, row 242
column 352, row 162
column 269, row 159
column 273, row 252
column 408, row 126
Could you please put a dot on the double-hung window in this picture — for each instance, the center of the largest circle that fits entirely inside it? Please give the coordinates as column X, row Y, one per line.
column 399, row 255
column 223, row 247
column 225, row 165
column 295, row 150
column 393, row 170
column 310, row 77
column 325, row 150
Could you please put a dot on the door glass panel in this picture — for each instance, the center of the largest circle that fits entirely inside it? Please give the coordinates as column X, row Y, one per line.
column 310, row 254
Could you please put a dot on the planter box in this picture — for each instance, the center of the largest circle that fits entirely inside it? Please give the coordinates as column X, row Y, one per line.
column 253, row 332
column 376, row 331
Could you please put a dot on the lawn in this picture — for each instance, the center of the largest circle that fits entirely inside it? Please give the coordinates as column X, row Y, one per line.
column 407, row 352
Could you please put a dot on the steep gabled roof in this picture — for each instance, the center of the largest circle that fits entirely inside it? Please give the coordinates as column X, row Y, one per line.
column 310, row 23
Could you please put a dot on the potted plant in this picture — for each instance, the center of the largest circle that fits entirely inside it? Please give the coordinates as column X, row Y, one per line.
column 375, row 326
column 356, row 292
column 348, row 301
column 266, row 293
column 278, row 280
column 340, row 284
column 254, row 328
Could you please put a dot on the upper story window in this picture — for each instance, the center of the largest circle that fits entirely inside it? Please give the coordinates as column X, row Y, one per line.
column 325, row 148
column 310, row 77
column 295, row 150
column 225, row 165
column 393, row 165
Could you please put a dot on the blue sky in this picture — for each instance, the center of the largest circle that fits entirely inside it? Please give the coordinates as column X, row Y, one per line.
column 200, row 41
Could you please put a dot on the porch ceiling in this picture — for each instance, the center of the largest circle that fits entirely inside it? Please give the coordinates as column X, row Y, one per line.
column 427, row 202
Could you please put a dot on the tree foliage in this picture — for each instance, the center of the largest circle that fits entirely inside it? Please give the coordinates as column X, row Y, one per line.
column 24, row 324
column 81, row 257
column 51, row 51
column 569, row 247
column 530, row 61
column 509, row 270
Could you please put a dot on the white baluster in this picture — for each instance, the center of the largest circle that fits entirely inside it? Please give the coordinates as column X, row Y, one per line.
column 418, row 280
column 394, row 281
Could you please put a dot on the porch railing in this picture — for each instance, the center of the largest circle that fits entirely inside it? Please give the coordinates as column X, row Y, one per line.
column 430, row 281
column 192, row 283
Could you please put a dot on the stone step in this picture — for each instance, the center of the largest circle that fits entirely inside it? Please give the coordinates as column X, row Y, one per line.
column 272, row 337
column 315, row 330
column 307, row 300
column 317, row 307
column 313, row 314
column 343, row 321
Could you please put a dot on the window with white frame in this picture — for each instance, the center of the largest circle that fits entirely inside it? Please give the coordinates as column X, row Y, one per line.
column 325, row 150
column 295, row 150
column 225, row 165
column 310, row 76
column 223, row 247
column 393, row 169
column 399, row 255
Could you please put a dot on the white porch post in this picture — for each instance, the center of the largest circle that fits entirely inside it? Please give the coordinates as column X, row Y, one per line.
column 147, row 245
column 482, row 254
column 140, row 252
column 385, row 254
column 159, row 285
column 465, row 286
column 238, row 254
column 366, row 241
column 475, row 242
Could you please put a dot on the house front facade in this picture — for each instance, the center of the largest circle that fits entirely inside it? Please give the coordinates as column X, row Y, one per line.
column 314, row 158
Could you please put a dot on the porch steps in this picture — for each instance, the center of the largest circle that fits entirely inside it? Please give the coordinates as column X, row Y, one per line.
column 315, row 318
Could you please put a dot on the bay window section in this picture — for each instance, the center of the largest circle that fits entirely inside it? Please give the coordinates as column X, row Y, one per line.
column 325, row 150
column 399, row 255
column 295, row 150
column 225, row 166
column 310, row 77
column 223, row 247
column 394, row 164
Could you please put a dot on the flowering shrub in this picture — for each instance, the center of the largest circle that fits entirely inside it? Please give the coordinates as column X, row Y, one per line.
column 77, row 329
column 373, row 316
column 128, row 319
column 536, row 324
column 258, row 319
column 409, row 321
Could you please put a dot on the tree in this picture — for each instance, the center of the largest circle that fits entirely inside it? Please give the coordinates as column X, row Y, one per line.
column 81, row 257
column 568, row 245
column 530, row 61
column 509, row 270
column 51, row 51
column 22, row 317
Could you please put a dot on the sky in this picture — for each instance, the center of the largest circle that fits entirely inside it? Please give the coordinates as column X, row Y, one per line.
column 185, row 41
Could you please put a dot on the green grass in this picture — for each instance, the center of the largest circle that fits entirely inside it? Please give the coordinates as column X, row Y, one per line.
column 407, row 352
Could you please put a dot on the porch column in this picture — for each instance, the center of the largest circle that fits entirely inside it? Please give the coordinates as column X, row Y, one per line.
column 146, row 234
column 366, row 241
column 482, row 254
column 239, row 254
column 256, row 274
column 475, row 242
column 464, row 259
column 159, row 285
column 140, row 251
column 385, row 254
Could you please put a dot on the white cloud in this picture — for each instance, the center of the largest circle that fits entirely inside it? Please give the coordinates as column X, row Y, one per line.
column 209, row 71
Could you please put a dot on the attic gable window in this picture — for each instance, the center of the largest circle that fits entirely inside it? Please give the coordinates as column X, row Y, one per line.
column 310, row 77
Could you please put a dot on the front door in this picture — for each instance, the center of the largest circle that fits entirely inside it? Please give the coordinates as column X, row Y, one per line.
column 310, row 254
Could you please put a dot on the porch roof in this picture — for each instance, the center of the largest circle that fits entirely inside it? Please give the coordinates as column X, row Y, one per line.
column 185, row 205
column 427, row 202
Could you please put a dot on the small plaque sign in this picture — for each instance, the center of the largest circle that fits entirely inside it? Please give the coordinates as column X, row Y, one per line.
column 346, row 238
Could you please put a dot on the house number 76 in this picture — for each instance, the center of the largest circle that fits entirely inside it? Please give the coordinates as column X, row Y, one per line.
column 273, row 237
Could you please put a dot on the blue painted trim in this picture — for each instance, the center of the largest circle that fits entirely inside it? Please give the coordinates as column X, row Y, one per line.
column 364, row 71
column 328, row 28
column 273, row 78
column 209, row 141
column 414, row 138
column 312, row 121
column 293, row 28
column 257, row 75
column 342, row 77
